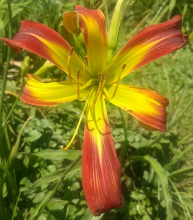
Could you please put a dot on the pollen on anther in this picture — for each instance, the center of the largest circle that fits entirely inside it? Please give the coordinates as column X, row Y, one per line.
column 99, row 77
column 71, row 51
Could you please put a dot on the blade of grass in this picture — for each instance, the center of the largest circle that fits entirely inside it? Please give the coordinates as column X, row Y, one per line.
column 15, row 148
column 15, row 207
column 114, row 27
column 178, row 118
column 163, row 180
column 168, row 89
column 4, row 81
column 178, row 157
column 180, row 101
column 160, row 13
column 184, row 207
column 44, row 202
column 10, row 183
column 124, row 146
column 24, row 71
column 181, row 171
column 171, row 124
column 12, row 108
column 5, row 73
column 43, row 181
column 171, row 7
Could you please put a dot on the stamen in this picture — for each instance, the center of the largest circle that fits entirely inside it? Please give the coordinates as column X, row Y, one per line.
column 99, row 77
column 107, row 94
column 68, row 64
column 76, row 130
column 85, row 64
column 104, row 81
column 98, row 90
column 118, row 81
column 103, row 113
column 96, row 121
column 78, row 87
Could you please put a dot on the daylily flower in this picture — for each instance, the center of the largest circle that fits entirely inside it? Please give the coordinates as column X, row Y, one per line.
column 95, row 81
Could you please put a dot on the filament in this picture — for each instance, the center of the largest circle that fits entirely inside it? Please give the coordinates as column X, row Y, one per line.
column 78, row 86
column 68, row 64
column 76, row 130
column 96, row 121
column 107, row 94
column 118, row 81
column 84, row 66
column 104, row 81
column 105, row 119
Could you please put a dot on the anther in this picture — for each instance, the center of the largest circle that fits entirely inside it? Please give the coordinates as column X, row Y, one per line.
column 71, row 51
column 78, row 87
column 118, row 81
column 99, row 77
column 68, row 64
column 123, row 67
column 106, row 76
column 85, row 64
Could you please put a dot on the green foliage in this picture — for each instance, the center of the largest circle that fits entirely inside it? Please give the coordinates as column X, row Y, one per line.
column 39, row 181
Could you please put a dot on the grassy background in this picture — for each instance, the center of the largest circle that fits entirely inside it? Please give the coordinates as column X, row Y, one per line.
column 38, row 181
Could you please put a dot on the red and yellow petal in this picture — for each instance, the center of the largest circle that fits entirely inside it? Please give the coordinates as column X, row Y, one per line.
column 48, row 94
column 47, row 43
column 148, row 106
column 93, row 26
column 101, row 172
column 149, row 44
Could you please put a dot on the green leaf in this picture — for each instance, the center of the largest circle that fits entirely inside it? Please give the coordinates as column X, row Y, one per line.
column 57, row 204
column 137, row 196
column 50, row 154
column 33, row 135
